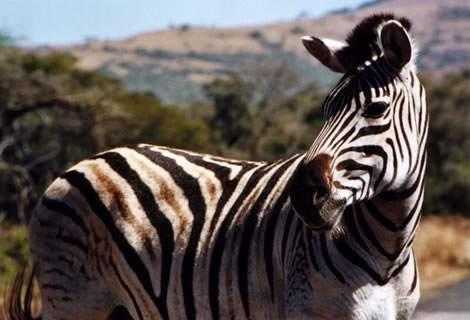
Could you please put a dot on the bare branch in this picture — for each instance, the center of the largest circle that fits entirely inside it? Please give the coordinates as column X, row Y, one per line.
column 9, row 115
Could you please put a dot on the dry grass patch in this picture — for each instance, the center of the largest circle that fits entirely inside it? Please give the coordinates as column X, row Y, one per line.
column 442, row 249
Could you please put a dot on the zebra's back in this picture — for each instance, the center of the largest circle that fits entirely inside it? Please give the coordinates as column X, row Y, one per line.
column 162, row 232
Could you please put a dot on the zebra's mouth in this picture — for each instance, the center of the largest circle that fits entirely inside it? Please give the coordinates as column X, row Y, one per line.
column 325, row 216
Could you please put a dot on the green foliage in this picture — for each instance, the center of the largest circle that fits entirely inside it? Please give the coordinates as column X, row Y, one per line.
column 13, row 251
column 231, row 121
column 448, row 171
column 54, row 63
column 53, row 114
column 152, row 122
column 259, row 115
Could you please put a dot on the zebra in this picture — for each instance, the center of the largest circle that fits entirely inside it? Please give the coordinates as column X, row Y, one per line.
column 151, row 232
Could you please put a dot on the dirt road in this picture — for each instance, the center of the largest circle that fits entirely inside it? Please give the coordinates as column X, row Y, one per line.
column 452, row 303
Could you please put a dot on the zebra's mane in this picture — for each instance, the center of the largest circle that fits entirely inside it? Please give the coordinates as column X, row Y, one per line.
column 362, row 42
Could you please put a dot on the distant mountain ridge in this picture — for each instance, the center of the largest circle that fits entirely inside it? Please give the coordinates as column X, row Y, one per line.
column 174, row 63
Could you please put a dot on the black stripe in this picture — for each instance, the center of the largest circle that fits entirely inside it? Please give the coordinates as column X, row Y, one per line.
column 352, row 165
column 72, row 241
column 422, row 107
column 286, row 233
column 415, row 277
column 60, row 271
column 270, row 231
column 385, row 77
column 350, row 221
column 373, row 239
column 64, row 210
column 399, row 268
column 355, row 259
column 327, row 259
column 372, row 130
column 219, row 243
column 366, row 87
column 296, row 240
column 411, row 109
column 64, row 259
column 311, row 251
column 249, row 229
column 421, row 163
column 51, row 286
column 244, row 251
column 269, row 238
column 223, row 174
column 197, row 205
column 395, row 163
column 370, row 150
column 375, row 212
column 404, row 194
column 80, row 182
column 396, row 130
column 158, row 220
column 414, row 210
column 348, row 134
column 127, row 289
column 341, row 129
column 402, row 125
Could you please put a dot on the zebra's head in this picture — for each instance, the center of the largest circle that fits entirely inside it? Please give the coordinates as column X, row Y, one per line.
column 376, row 121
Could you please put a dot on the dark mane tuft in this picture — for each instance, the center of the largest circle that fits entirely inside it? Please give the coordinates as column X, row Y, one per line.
column 362, row 40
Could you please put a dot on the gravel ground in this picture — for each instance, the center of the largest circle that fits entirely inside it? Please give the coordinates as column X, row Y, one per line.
column 452, row 303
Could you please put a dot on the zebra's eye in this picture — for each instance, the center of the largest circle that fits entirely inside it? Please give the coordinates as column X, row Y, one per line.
column 375, row 109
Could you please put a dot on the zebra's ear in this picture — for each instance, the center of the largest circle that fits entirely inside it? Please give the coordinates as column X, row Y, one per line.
column 325, row 52
column 396, row 44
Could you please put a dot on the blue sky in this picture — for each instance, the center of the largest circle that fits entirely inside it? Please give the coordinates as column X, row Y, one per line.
column 38, row 22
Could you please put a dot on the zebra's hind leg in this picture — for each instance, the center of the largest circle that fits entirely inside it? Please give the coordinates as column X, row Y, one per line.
column 70, row 283
column 73, row 298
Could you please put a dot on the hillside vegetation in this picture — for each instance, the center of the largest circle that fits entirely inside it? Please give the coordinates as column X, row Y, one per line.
column 175, row 63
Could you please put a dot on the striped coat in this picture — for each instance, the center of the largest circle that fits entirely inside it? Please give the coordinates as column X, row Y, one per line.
column 147, row 244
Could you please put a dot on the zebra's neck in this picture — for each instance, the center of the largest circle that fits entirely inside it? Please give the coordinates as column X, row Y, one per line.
column 382, row 230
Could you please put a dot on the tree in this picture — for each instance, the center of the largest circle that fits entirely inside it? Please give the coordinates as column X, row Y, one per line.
column 231, row 122
column 250, row 109
column 448, row 170
column 53, row 114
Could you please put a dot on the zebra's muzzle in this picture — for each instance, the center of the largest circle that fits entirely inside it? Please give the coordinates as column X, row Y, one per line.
column 312, row 195
column 321, row 218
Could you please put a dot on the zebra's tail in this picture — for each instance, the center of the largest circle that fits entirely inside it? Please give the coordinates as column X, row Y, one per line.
column 17, row 303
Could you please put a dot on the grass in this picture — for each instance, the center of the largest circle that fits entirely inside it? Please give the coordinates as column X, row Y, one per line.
column 13, row 251
column 442, row 249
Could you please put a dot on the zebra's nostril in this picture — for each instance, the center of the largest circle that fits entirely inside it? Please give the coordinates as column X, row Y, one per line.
column 320, row 194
